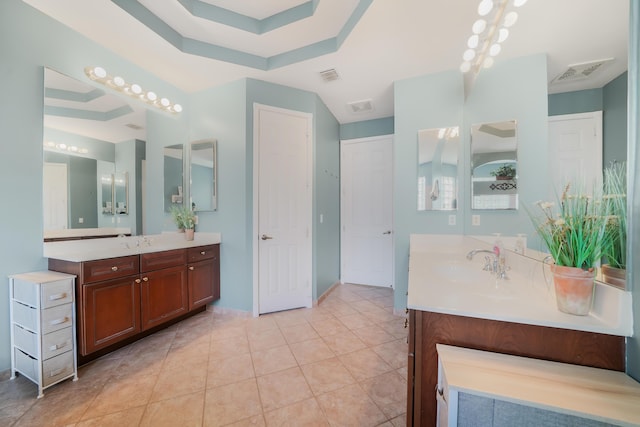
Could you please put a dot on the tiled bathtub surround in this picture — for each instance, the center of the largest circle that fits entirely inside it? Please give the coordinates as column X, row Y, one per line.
column 343, row 363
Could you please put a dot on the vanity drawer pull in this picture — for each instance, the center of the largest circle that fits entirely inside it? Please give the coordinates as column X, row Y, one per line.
column 57, row 296
column 138, row 280
column 192, row 268
column 59, row 321
column 57, row 372
column 203, row 252
column 114, row 268
column 145, row 279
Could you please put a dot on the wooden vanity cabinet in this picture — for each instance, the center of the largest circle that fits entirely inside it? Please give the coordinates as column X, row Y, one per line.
column 426, row 329
column 163, row 287
column 204, row 275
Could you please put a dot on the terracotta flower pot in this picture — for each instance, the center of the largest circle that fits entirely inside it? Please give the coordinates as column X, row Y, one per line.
column 189, row 233
column 574, row 289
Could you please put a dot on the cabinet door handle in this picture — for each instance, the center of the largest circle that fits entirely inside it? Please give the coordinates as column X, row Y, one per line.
column 202, row 252
column 265, row 237
column 59, row 321
column 138, row 280
column 114, row 268
column 57, row 296
column 57, row 346
column 145, row 279
column 387, row 232
column 192, row 268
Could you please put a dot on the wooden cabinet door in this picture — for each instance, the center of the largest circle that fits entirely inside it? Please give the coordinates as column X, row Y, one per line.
column 164, row 295
column 204, row 282
column 111, row 313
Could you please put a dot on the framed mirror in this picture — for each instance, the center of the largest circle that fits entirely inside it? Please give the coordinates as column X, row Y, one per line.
column 173, row 176
column 494, row 166
column 202, row 169
column 438, row 169
column 88, row 135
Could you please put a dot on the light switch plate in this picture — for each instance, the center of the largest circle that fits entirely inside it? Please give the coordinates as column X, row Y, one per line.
column 452, row 220
column 475, row 219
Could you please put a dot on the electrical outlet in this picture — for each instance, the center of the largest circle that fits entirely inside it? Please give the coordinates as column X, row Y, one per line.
column 452, row 220
column 321, row 218
column 475, row 219
column 80, row 220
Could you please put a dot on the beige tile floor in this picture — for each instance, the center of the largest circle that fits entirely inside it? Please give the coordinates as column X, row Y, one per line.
column 343, row 363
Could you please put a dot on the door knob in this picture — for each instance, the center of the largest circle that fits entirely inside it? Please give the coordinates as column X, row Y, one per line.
column 387, row 232
column 265, row 237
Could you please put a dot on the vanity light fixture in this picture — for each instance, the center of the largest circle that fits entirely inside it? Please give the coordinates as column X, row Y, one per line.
column 52, row 145
column 488, row 33
column 100, row 75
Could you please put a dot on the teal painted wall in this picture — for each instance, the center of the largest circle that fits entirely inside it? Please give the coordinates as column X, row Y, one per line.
column 425, row 102
column 580, row 101
column 367, row 128
column 30, row 41
column 614, row 120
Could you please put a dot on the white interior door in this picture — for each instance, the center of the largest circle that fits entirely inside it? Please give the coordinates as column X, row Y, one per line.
column 575, row 150
column 282, row 142
column 366, row 170
column 55, row 197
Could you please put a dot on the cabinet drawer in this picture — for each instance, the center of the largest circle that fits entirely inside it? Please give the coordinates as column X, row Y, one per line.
column 111, row 268
column 165, row 259
column 203, row 252
column 53, row 293
column 51, row 319
column 52, row 344
column 53, row 370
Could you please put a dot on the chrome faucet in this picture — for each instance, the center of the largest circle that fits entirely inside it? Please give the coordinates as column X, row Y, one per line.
column 494, row 263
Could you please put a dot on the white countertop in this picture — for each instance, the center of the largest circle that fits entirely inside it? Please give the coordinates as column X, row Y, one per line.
column 442, row 280
column 81, row 232
column 113, row 247
column 599, row 394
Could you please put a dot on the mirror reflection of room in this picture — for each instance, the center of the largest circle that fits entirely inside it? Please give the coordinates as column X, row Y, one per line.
column 203, row 176
column 494, row 166
column 438, row 169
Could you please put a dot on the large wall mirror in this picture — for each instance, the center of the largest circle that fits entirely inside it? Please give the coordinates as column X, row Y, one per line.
column 202, row 168
column 494, row 166
column 94, row 151
column 438, row 168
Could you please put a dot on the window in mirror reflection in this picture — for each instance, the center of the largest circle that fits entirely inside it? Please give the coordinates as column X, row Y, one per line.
column 173, row 176
column 438, row 168
column 494, row 166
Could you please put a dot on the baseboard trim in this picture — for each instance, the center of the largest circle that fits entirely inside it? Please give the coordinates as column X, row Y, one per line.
column 326, row 293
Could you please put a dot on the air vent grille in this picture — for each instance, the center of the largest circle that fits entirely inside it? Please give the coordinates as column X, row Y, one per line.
column 363, row 106
column 580, row 71
column 329, row 75
column 134, row 126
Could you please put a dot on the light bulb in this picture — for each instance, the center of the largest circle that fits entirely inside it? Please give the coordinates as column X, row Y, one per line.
column 99, row 72
column 177, row 108
column 479, row 26
column 118, row 81
column 165, row 102
column 518, row 3
column 485, row 7
column 473, row 41
column 465, row 67
column 136, row 89
column 61, row 146
column 469, row 54
column 502, row 35
column 151, row 96
column 510, row 19
column 441, row 133
column 73, row 148
column 495, row 49
column 488, row 62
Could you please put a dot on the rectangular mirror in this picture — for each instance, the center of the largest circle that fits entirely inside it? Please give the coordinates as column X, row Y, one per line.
column 203, row 188
column 85, row 130
column 438, row 169
column 494, row 166
column 121, row 193
column 173, row 176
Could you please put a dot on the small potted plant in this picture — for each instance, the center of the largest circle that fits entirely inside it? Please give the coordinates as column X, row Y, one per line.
column 185, row 220
column 615, row 199
column 504, row 172
column 576, row 238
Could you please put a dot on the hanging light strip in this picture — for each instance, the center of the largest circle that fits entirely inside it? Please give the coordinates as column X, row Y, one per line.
column 99, row 74
column 489, row 32
column 51, row 145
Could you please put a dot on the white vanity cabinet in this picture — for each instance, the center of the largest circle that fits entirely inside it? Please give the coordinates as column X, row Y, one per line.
column 43, row 338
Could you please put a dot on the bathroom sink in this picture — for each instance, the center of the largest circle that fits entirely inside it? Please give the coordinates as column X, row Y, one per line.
column 459, row 272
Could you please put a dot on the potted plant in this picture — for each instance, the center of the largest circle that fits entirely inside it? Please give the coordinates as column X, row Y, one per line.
column 185, row 220
column 576, row 238
column 504, row 172
column 615, row 199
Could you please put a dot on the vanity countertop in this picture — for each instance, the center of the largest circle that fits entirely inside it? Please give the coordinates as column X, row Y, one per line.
column 443, row 280
column 113, row 247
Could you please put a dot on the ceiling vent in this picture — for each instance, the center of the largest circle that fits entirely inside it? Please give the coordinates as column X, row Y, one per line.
column 581, row 71
column 364, row 106
column 329, row 75
column 134, row 126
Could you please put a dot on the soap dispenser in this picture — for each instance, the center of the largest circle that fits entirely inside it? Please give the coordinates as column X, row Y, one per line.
column 498, row 250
